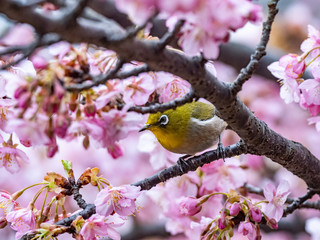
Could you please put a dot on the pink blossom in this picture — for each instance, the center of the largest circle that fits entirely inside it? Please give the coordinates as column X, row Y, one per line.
column 11, row 158
column 20, row 34
column 222, row 222
column 175, row 89
column 210, row 22
column 138, row 10
column 29, row 132
column 189, row 206
column 178, row 5
column 61, row 124
column 195, row 40
column 316, row 121
column 101, row 61
column 138, row 89
column 115, row 150
column 6, row 106
column 159, row 156
column 115, row 125
column 7, row 204
column 311, row 87
column 235, row 209
column 112, row 90
column 288, row 69
column 98, row 226
column 117, row 199
column 255, row 214
column 22, row 221
column 294, row 67
column 197, row 228
column 223, row 176
column 276, row 198
column 313, row 109
column 3, row 83
column 247, row 229
column 312, row 42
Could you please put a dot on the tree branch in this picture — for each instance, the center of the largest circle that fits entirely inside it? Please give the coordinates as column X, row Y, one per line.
column 246, row 73
column 191, row 165
column 260, row 138
column 157, row 107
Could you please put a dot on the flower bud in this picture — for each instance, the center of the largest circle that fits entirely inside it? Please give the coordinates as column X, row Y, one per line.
column 255, row 214
column 3, row 222
column 90, row 110
column 189, row 206
column 24, row 100
column 235, row 209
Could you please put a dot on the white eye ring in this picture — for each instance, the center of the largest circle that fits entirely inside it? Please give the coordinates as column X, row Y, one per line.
column 163, row 120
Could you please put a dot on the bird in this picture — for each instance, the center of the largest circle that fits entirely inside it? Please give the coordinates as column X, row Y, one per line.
column 188, row 129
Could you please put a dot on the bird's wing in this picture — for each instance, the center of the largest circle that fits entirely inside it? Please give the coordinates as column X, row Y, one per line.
column 203, row 111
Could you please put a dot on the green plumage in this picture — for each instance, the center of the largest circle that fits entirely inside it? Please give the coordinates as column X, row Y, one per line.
column 190, row 128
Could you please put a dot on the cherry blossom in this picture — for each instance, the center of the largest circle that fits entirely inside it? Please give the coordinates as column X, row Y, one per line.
column 312, row 43
column 189, row 206
column 7, row 204
column 11, row 157
column 98, row 226
column 311, row 87
column 276, row 198
column 247, row 229
column 117, row 199
column 22, row 221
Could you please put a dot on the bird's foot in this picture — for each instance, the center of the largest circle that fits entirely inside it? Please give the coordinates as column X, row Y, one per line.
column 182, row 163
column 221, row 150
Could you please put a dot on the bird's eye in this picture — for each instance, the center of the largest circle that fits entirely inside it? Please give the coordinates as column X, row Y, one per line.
column 163, row 120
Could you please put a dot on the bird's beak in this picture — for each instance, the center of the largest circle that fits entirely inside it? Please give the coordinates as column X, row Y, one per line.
column 145, row 127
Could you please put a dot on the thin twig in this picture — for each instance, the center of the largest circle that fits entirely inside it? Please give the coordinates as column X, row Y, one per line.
column 169, row 36
column 73, row 12
column 28, row 50
column 260, row 51
column 132, row 72
column 101, row 79
column 297, row 203
column 161, row 107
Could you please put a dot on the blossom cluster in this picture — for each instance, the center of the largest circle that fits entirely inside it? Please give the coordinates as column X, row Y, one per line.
column 187, row 203
column 207, row 22
column 290, row 70
column 35, row 107
column 113, row 206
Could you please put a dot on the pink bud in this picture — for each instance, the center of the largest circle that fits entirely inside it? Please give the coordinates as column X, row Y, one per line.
column 189, row 206
column 39, row 62
column 86, row 142
column 58, row 89
column 246, row 228
column 90, row 110
column 24, row 100
column 19, row 91
column 51, row 104
column 222, row 223
column 52, row 149
column 272, row 223
column 235, row 209
column 61, row 125
column 255, row 214
column 3, row 222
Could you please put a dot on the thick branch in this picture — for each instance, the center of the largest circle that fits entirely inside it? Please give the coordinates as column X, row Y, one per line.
column 191, row 165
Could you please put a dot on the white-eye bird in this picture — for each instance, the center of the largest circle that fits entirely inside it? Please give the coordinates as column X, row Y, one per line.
column 189, row 129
